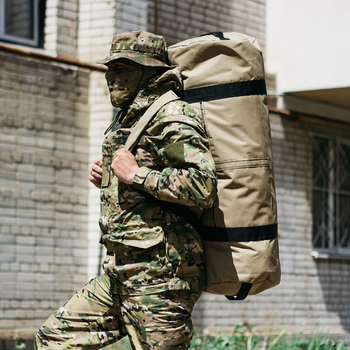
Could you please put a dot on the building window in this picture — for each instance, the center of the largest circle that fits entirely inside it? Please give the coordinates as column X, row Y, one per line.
column 331, row 197
column 21, row 21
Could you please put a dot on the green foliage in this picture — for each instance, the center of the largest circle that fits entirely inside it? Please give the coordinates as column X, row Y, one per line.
column 123, row 344
column 243, row 338
column 238, row 340
column 246, row 338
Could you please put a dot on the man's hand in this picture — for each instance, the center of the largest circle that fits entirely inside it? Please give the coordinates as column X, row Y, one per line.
column 95, row 176
column 124, row 166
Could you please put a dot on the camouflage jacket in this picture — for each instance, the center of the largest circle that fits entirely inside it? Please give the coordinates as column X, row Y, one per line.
column 175, row 166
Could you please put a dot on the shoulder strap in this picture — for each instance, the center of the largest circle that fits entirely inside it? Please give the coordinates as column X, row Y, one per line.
column 141, row 126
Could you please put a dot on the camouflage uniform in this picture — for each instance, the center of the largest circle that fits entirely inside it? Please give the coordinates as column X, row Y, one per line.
column 94, row 318
column 154, row 264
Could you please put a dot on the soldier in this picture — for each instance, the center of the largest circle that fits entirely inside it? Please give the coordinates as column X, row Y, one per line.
column 153, row 271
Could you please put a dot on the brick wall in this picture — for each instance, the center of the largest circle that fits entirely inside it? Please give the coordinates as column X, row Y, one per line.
column 96, row 28
column 84, row 29
column 178, row 20
column 43, row 188
column 312, row 293
column 52, row 122
column 131, row 15
column 61, row 25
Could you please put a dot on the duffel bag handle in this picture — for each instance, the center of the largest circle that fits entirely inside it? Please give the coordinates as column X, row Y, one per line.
column 219, row 35
column 242, row 293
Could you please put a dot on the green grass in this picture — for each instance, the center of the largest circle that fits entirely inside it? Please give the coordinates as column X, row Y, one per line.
column 244, row 338
column 247, row 339
column 123, row 344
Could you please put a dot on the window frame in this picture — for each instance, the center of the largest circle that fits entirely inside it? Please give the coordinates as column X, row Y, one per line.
column 333, row 251
column 18, row 40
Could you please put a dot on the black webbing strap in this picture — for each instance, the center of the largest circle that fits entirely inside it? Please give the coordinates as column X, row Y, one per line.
column 253, row 234
column 242, row 293
column 219, row 35
column 222, row 234
column 217, row 92
column 238, row 234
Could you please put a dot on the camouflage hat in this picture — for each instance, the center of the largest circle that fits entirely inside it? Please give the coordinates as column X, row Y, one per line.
column 141, row 47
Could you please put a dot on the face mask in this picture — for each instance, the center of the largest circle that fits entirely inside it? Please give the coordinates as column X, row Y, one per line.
column 123, row 85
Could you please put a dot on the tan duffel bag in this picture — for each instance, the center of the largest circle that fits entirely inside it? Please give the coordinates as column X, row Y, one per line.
column 224, row 80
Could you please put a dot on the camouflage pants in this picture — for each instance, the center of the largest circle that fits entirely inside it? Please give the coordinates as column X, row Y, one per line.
column 93, row 319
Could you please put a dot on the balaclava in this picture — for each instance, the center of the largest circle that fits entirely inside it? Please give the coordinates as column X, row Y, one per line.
column 125, row 83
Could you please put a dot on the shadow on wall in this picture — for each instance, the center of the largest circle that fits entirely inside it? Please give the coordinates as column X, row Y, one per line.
column 323, row 286
column 334, row 276
column 333, row 273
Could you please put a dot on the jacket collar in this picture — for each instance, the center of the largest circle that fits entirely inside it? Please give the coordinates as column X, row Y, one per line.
column 155, row 87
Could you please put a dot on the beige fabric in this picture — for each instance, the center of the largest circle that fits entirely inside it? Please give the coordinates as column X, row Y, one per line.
column 240, row 142
column 228, row 264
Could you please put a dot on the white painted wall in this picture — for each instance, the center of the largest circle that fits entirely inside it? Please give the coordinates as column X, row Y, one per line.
column 308, row 45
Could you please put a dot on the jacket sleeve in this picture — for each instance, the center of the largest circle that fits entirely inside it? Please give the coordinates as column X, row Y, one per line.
column 188, row 176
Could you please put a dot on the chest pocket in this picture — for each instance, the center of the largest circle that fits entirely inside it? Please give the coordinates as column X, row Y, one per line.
column 106, row 171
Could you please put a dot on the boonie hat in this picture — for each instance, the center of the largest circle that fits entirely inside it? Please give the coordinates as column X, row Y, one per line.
column 141, row 47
